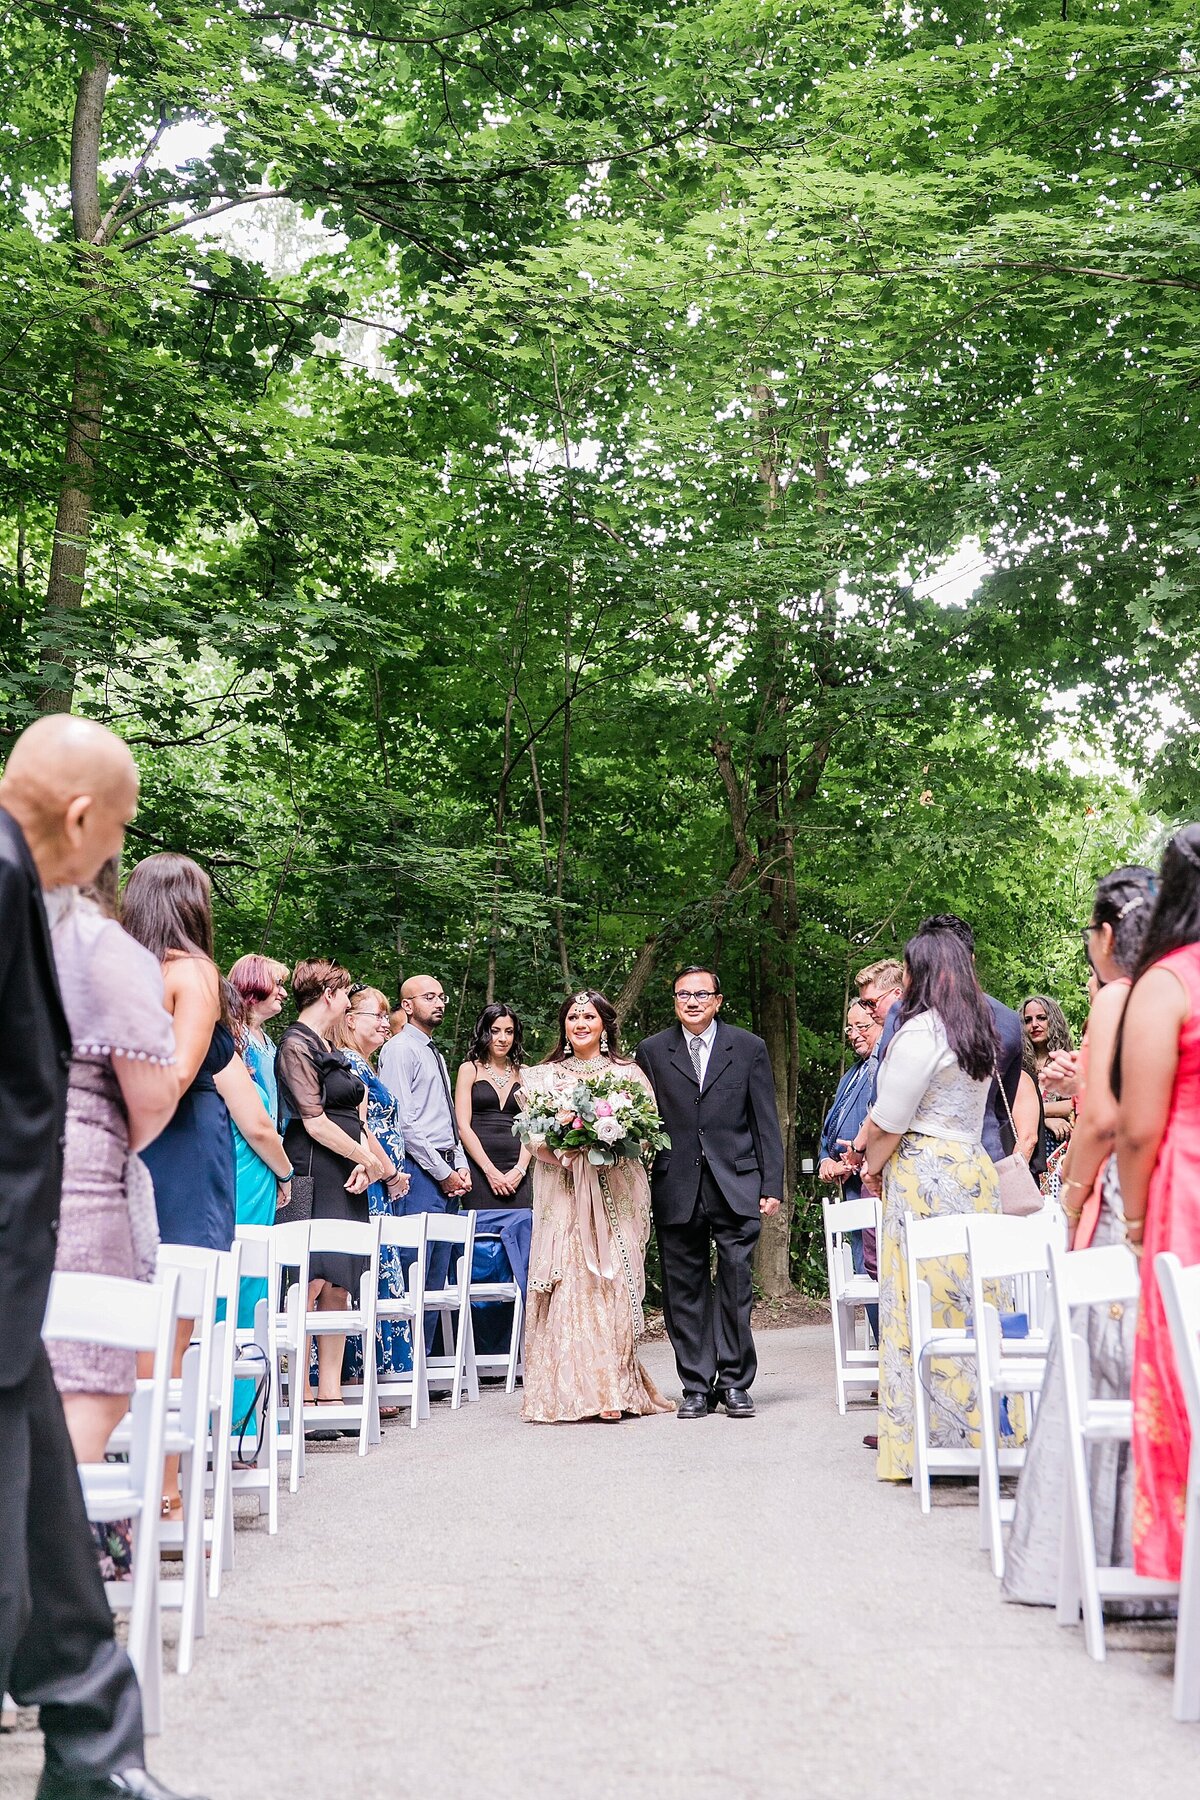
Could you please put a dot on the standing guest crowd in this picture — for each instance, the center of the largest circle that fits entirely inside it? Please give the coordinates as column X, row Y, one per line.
column 954, row 1084
column 148, row 1103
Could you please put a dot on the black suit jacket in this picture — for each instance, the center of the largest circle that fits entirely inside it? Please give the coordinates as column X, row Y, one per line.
column 731, row 1124
column 35, row 1056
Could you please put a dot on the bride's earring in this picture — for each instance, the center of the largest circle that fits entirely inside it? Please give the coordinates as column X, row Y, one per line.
column 604, row 1043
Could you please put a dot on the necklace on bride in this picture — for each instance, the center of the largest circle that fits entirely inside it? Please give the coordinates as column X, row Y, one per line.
column 584, row 1063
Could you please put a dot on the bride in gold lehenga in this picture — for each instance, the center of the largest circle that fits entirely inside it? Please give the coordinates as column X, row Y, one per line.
column 587, row 1270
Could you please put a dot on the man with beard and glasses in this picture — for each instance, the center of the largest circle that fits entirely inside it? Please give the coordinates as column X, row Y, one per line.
column 414, row 1069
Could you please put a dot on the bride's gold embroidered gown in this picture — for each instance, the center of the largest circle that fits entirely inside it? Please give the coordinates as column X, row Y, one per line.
column 583, row 1322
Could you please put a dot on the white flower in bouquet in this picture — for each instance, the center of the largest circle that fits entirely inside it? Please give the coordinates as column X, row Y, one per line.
column 600, row 1118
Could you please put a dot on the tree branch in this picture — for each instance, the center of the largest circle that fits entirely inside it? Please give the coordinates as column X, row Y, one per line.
column 383, row 37
column 101, row 236
column 148, row 237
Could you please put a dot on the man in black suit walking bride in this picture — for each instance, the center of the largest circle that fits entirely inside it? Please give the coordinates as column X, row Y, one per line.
column 722, row 1175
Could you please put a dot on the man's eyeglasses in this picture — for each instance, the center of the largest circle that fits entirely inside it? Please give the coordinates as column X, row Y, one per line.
column 695, row 993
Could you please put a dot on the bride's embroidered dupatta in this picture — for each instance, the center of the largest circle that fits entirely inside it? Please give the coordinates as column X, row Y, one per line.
column 609, row 1208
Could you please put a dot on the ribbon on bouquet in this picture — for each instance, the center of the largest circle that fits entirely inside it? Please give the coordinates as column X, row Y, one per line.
column 592, row 1219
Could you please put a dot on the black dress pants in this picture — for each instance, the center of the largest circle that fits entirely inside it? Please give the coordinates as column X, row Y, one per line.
column 713, row 1345
column 57, row 1649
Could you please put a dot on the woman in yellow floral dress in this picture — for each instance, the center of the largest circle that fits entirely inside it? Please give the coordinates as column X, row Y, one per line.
column 923, row 1138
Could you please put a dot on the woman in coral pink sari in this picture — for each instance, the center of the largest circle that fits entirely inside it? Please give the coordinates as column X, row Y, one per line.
column 1158, row 1156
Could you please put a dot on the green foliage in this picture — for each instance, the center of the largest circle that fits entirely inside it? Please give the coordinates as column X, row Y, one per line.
column 522, row 536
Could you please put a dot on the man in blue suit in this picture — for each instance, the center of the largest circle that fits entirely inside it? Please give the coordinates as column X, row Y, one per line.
column 843, row 1122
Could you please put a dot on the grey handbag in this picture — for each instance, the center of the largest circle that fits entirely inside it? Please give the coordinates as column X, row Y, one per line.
column 300, row 1206
column 1020, row 1194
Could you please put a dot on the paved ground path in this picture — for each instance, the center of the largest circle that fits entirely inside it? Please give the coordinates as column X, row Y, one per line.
column 715, row 1611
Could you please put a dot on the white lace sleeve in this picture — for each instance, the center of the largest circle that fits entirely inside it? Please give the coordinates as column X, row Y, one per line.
column 913, row 1058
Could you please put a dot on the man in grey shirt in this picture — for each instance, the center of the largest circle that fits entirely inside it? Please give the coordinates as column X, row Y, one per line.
column 414, row 1070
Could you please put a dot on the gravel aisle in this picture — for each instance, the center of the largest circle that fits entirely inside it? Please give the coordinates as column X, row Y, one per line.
column 719, row 1611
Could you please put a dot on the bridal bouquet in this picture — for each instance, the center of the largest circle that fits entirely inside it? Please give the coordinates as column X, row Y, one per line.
column 606, row 1116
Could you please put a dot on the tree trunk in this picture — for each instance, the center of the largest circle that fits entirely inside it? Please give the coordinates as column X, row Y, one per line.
column 395, row 823
column 498, row 847
column 564, row 817
column 779, row 916
column 778, row 1020
column 68, row 557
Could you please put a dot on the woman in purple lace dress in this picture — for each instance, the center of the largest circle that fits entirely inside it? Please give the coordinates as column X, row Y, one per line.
column 122, row 1090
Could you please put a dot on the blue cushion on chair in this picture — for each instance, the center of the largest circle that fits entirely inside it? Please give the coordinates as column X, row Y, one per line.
column 490, row 1262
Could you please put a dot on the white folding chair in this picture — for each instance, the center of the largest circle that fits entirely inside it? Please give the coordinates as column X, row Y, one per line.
column 493, row 1293
column 407, row 1233
column 138, row 1316
column 855, row 1365
column 254, row 1361
column 288, row 1246
column 218, row 1530
column 930, row 1240
column 359, row 1405
column 1003, row 1249
column 1181, row 1302
column 455, row 1366
column 1106, row 1276
column 187, row 1438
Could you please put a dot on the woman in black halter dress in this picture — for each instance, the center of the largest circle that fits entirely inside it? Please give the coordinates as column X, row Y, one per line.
column 487, row 1099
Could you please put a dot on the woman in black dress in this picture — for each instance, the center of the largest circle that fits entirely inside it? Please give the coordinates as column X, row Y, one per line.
column 327, row 1138
column 487, row 1098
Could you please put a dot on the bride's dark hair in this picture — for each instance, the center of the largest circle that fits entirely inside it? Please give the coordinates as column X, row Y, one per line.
column 608, row 1019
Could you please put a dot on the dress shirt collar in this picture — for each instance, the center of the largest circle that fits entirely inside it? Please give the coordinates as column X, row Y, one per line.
column 706, row 1036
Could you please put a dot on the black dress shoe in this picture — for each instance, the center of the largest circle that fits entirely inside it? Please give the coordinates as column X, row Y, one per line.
column 737, row 1403
column 136, row 1784
column 695, row 1406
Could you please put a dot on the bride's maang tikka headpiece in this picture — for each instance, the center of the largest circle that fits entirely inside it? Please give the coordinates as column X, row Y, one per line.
column 583, row 999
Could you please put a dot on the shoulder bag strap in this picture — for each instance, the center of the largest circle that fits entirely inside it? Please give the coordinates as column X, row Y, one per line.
column 1008, row 1109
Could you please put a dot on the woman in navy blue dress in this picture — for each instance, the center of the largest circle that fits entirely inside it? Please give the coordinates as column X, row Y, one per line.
column 167, row 906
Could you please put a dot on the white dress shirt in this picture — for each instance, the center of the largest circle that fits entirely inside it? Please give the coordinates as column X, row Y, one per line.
column 705, row 1040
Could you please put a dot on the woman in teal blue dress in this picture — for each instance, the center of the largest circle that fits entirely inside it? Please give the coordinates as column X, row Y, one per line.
column 360, row 1033
column 260, row 986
